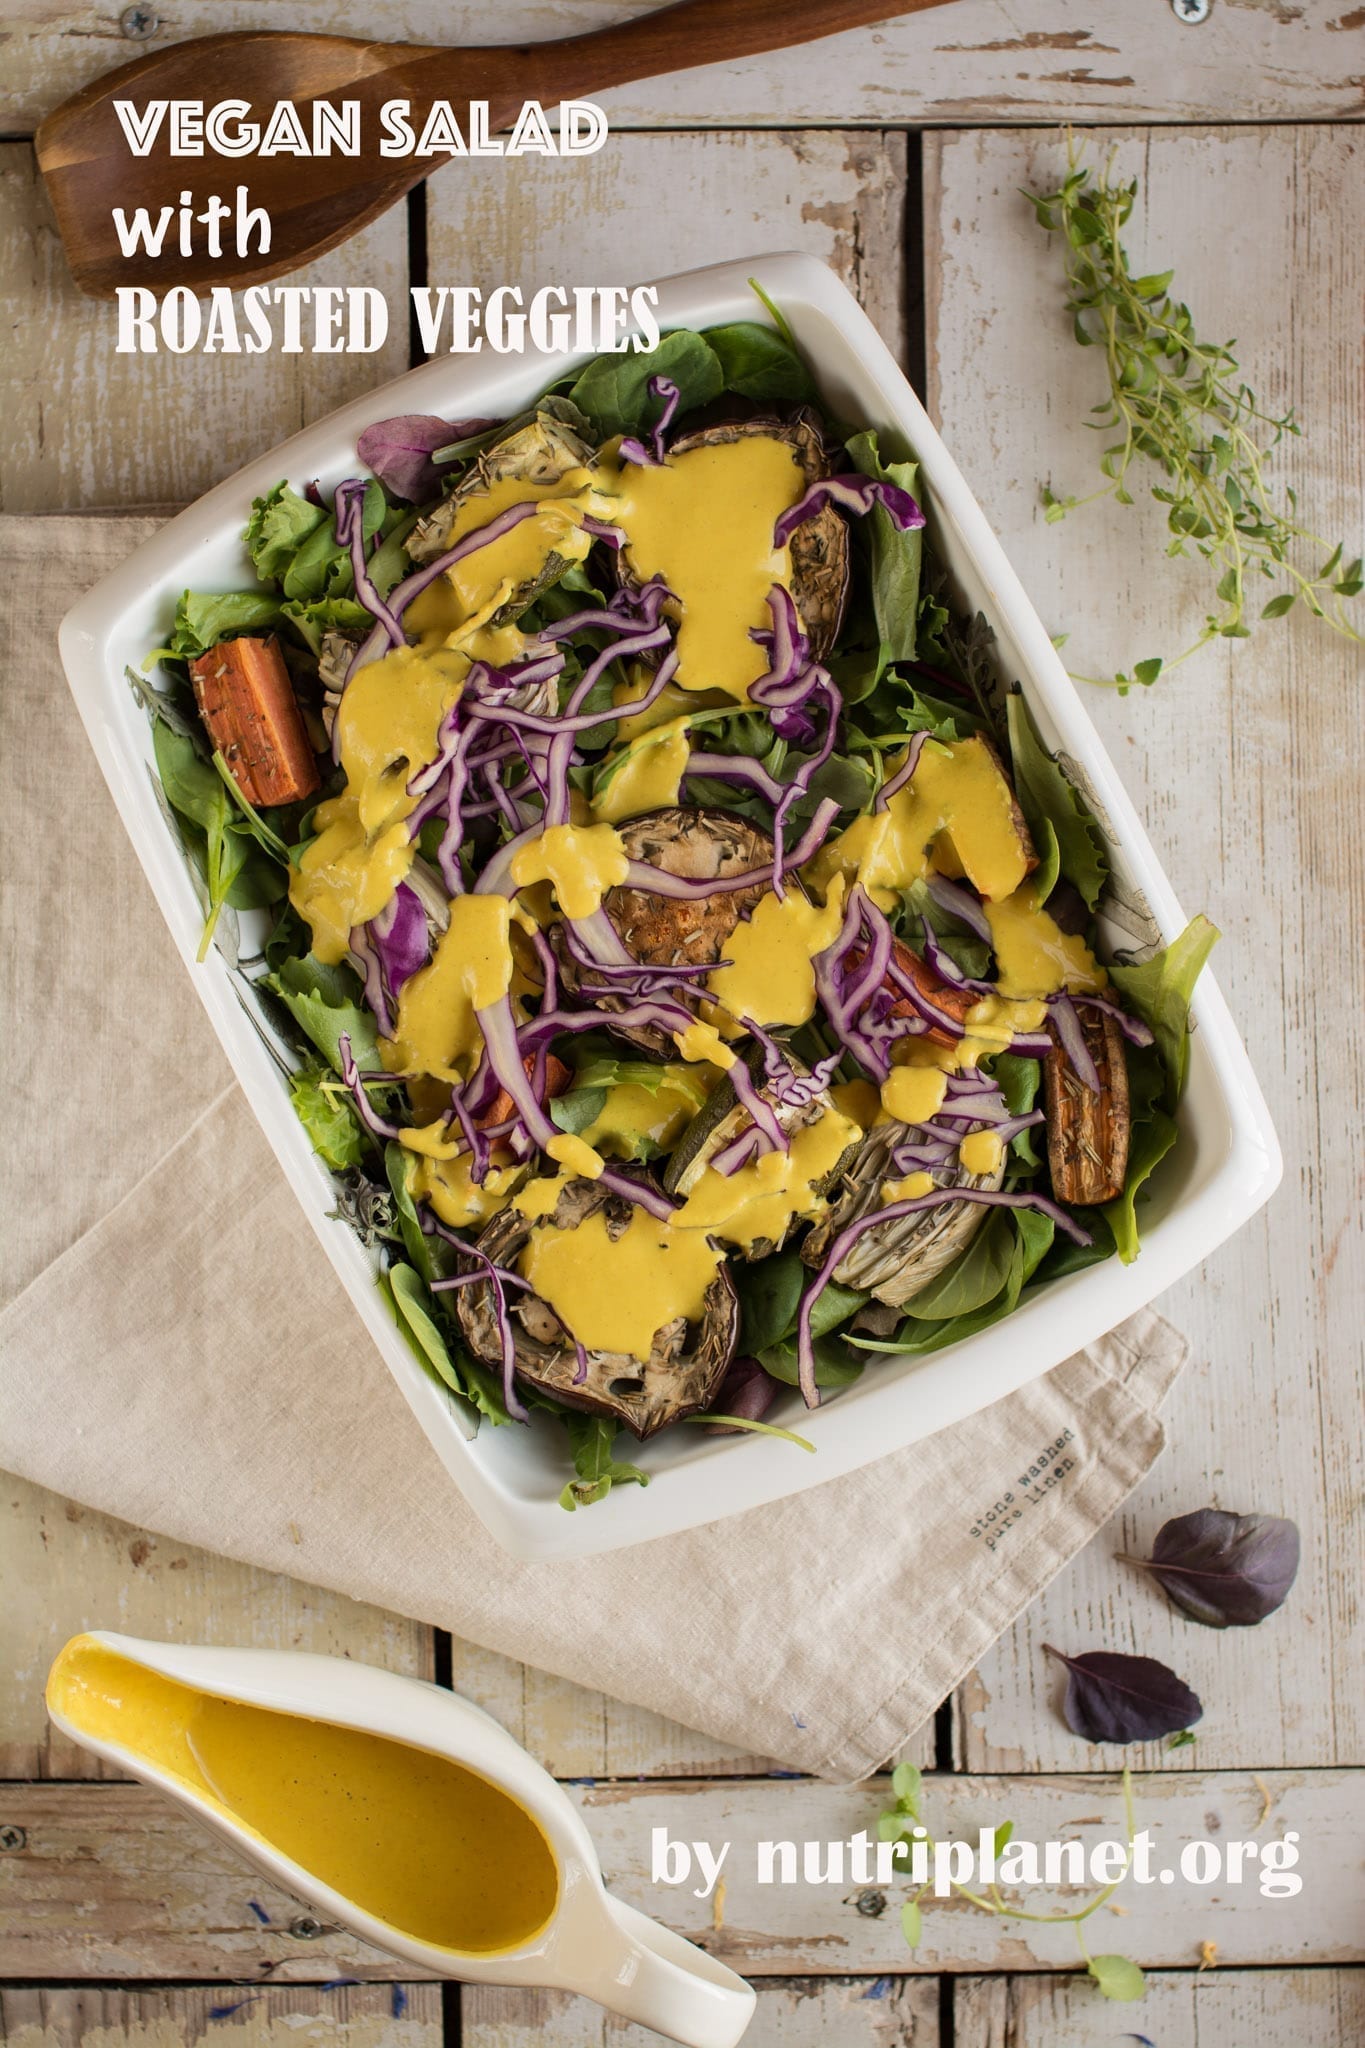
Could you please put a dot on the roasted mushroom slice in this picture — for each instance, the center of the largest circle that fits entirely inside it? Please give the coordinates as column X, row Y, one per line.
column 685, row 1366
column 1087, row 1133
column 819, row 547
column 668, row 931
column 541, row 452
column 724, row 1118
column 895, row 1260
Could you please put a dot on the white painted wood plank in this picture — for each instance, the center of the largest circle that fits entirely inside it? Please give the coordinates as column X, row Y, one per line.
column 66, row 1568
column 1247, row 764
column 81, row 425
column 997, row 60
column 110, row 1880
column 342, row 2016
column 1213, row 2009
column 804, row 2012
column 650, row 204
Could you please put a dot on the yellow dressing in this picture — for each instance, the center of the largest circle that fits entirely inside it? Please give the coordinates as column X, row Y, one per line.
column 436, row 1032
column 518, row 556
column 911, row 1095
column 1035, row 957
column 762, row 1200
column 645, row 775
column 858, row 1101
column 991, row 1024
column 955, row 814
column 980, row 1152
column 459, row 1202
column 704, row 521
column 906, row 1189
column 771, row 976
column 614, row 1294
column 633, row 1115
column 575, row 1155
column 431, row 1849
column 582, row 862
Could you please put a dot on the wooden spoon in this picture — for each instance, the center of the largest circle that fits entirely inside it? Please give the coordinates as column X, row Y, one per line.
column 316, row 202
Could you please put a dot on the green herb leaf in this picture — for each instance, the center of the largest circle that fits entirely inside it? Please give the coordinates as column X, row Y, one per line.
column 592, row 1438
column 1117, row 1978
column 912, row 1923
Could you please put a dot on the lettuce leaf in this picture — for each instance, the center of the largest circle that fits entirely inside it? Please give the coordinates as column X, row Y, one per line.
column 279, row 525
column 1054, row 809
column 1160, row 990
column 203, row 618
column 334, row 1130
column 325, row 1003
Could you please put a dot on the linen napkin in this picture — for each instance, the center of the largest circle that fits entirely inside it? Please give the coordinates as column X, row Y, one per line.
column 177, row 1352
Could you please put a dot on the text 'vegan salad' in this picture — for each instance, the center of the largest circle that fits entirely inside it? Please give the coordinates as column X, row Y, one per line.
column 686, row 945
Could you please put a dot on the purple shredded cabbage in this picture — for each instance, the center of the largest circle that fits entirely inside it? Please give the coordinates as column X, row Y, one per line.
column 852, row 493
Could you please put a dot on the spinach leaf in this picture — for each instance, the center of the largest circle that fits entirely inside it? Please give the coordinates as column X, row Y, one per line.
column 835, row 1365
column 613, row 391
column 970, row 953
column 219, row 840
column 760, row 364
column 1032, row 1237
column 1019, row 1080
column 279, row 525
column 1049, row 802
column 325, row 1111
column 769, row 1297
column 895, row 556
column 974, row 1279
column 591, row 1438
column 412, row 1303
column 325, row 1003
column 433, row 1257
column 577, row 1109
column 1160, row 989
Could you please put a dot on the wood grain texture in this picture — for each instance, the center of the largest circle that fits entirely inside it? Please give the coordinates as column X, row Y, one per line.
column 81, row 425
column 1213, row 2009
column 982, row 60
column 113, row 1881
column 66, row 1568
column 801, row 2012
column 1247, row 764
column 651, row 204
column 266, row 2016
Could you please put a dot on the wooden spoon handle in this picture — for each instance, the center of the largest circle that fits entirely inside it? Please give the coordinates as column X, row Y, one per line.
column 695, row 32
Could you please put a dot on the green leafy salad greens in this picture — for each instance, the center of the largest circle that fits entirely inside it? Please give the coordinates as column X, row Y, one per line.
column 787, row 972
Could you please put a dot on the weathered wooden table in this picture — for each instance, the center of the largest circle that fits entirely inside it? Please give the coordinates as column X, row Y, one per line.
column 896, row 154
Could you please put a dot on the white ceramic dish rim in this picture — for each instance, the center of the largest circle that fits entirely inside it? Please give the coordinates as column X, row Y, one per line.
column 1227, row 1166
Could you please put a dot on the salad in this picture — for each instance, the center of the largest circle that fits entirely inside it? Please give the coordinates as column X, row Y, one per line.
column 679, row 944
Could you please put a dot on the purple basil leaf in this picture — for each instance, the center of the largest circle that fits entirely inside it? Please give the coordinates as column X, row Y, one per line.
column 1116, row 1698
column 1228, row 1571
column 399, row 451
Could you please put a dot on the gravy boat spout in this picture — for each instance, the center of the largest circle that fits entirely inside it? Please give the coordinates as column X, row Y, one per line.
column 397, row 1810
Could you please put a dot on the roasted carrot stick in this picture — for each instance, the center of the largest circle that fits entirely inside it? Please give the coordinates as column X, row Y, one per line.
column 557, row 1079
column 247, row 703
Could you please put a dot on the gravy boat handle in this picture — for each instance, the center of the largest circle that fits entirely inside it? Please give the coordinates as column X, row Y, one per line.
column 660, row 1980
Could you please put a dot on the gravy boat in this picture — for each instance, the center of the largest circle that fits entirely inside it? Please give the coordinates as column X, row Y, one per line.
column 591, row 1944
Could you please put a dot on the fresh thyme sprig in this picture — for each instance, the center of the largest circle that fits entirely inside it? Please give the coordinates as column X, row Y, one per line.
column 1115, row 1975
column 1179, row 402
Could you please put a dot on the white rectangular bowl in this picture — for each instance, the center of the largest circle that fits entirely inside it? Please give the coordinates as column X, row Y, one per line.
column 1227, row 1162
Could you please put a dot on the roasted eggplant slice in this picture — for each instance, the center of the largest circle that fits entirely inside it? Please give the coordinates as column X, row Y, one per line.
column 723, row 1119
column 682, row 1373
column 895, row 1260
column 667, row 931
column 540, row 452
column 819, row 547
column 1087, row 1134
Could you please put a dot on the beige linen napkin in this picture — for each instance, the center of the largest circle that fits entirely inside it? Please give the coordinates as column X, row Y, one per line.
column 177, row 1352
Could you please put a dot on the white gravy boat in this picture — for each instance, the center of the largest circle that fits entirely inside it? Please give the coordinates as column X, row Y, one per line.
column 592, row 1944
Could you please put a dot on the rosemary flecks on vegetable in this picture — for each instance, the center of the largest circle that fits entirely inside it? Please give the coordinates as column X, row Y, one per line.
column 1179, row 402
